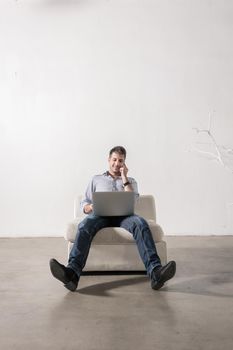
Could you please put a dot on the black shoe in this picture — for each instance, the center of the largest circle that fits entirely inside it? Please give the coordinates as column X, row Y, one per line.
column 64, row 274
column 162, row 274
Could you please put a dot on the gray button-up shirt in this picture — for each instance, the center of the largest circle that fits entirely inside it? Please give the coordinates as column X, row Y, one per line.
column 106, row 183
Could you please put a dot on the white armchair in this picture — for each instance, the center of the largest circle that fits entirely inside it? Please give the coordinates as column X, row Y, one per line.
column 113, row 248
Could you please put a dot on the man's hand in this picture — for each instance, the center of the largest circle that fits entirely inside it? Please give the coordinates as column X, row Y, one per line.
column 124, row 171
column 88, row 208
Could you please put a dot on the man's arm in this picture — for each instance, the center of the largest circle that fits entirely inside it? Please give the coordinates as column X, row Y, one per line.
column 86, row 204
column 127, row 185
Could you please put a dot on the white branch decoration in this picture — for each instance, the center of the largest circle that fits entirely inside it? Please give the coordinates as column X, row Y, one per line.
column 223, row 154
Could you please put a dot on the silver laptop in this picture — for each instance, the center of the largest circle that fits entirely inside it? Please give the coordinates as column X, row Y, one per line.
column 113, row 203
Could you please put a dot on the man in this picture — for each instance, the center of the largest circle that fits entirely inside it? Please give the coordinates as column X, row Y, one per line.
column 115, row 179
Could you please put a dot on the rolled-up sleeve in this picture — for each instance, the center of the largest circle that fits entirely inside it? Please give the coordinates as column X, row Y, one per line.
column 88, row 196
column 135, row 187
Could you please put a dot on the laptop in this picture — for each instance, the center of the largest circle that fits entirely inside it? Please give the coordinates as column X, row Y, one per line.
column 113, row 203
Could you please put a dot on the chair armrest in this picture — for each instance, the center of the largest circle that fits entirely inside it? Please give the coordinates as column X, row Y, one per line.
column 156, row 230
column 72, row 228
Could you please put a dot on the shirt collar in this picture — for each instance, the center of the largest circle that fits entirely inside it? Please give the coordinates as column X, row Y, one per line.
column 106, row 173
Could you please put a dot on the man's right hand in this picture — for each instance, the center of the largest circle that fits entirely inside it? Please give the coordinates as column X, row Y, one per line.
column 88, row 208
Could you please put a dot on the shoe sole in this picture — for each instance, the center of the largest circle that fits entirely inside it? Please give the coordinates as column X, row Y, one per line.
column 71, row 286
column 58, row 272
column 167, row 274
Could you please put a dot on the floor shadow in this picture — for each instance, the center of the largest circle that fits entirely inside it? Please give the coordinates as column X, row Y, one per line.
column 113, row 273
column 206, row 285
column 102, row 289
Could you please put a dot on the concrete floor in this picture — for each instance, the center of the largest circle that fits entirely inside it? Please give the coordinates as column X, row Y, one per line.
column 194, row 310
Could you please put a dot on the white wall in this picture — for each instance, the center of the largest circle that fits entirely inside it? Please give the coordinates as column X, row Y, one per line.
column 80, row 76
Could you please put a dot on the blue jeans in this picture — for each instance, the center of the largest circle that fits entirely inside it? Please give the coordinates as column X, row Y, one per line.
column 135, row 224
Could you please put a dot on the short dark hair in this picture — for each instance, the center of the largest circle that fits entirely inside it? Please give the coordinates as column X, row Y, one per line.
column 118, row 149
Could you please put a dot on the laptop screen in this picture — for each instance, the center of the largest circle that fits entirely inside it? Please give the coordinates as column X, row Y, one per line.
column 119, row 203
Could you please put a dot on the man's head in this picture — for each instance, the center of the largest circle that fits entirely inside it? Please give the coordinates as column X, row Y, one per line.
column 116, row 160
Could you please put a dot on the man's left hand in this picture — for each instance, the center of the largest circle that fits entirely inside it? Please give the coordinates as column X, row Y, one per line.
column 124, row 172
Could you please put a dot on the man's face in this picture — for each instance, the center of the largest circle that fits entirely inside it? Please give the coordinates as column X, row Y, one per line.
column 116, row 161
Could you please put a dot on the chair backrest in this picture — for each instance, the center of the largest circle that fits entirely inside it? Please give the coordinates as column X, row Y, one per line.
column 145, row 207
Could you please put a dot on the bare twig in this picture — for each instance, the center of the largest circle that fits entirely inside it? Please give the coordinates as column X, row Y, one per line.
column 218, row 155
